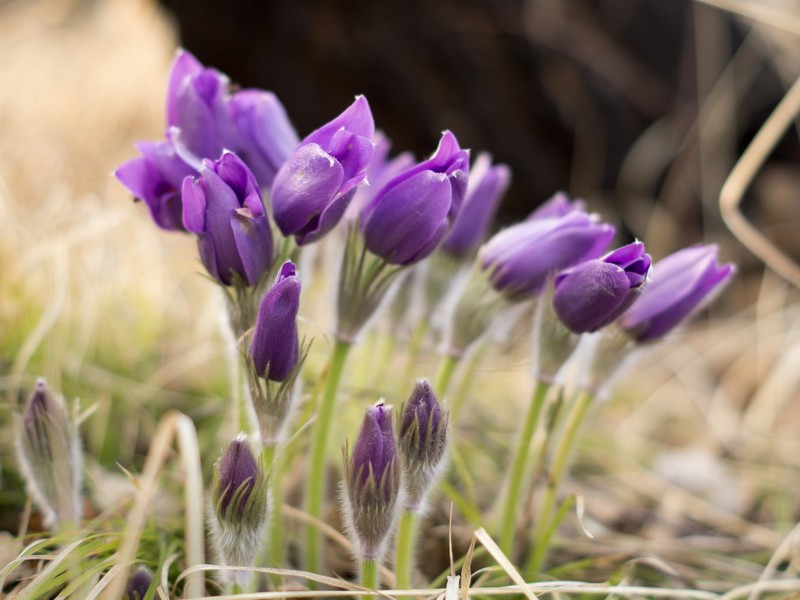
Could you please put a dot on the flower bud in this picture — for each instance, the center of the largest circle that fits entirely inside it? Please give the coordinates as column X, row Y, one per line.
column 682, row 283
column 594, row 293
column 422, row 443
column 313, row 188
column 372, row 483
column 408, row 218
column 239, row 506
column 50, row 457
column 138, row 584
column 223, row 207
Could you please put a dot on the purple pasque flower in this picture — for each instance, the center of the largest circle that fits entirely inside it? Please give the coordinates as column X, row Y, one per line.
column 372, row 482
column 594, row 293
column 557, row 206
column 410, row 215
column 265, row 137
column 138, row 584
column 223, row 207
column 313, row 188
column 487, row 184
column 682, row 283
column 275, row 349
column 519, row 259
column 237, row 476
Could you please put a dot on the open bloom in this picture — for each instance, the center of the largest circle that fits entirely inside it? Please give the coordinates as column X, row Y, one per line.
column 487, row 184
column 409, row 217
column 594, row 293
column 682, row 283
column 275, row 349
column 223, row 207
column 313, row 188
column 521, row 258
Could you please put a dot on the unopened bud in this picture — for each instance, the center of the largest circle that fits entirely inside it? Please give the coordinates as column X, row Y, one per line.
column 138, row 584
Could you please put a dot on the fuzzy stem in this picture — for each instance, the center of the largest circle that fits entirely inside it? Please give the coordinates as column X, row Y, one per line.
column 406, row 531
column 543, row 529
column 445, row 374
column 516, row 475
column 275, row 461
column 369, row 574
column 315, row 484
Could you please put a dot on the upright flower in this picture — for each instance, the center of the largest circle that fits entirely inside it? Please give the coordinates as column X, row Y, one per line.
column 487, row 184
column 239, row 506
column 422, row 442
column 519, row 259
column 223, row 207
column 409, row 217
column 594, row 293
column 313, row 188
column 682, row 283
column 372, row 483
column 50, row 457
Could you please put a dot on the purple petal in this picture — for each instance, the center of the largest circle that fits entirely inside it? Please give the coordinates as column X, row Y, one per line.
column 356, row 119
column 184, row 67
column 590, row 295
column 354, row 152
column 253, row 239
column 194, row 206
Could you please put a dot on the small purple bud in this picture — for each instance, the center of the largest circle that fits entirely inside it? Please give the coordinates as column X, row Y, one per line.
column 223, row 207
column 314, row 186
column 237, row 471
column 422, row 442
column 409, row 217
column 487, row 184
column 521, row 258
column 138, row 584
column 681, row 284
column 372, row 482
column 557, row 206
column 594, row 293
column 275, row 349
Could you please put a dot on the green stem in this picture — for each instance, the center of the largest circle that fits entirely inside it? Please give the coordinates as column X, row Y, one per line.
column 369, row 574
column 466, row 383
column 242, row 399
column 446, row 370
column 543, row 524
column 406, row 531
column 315, row 484
column 516, row 475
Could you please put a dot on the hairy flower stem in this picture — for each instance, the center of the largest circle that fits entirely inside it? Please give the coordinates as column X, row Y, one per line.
column 444, row 376
column 543, row 525
column 369, row 574
column 406, row 534
column 276, row 463
column 316, row 482
column 516, row 475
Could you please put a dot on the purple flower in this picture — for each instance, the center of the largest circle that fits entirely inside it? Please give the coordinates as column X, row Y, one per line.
column 223, row 207
column 372, row 483
column 138, row 584
column 485, row 189
column 410, row 215
column 313, row 187
column 422, row 442
column 557, row 206
column 265, row 137
column 521, row 258
column 681, row 284
column 275, row 349
column 238, row 474
column 594, row 293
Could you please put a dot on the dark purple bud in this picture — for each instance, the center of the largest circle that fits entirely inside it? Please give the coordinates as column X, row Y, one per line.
column 557, row 206
column 275, row 349
column 409, row 217
column 238, row 478
column 41, row 413
column 313, row 188
column 265, row 136
column 155, row 178
column 422, row 442
column 487, row 184
column 223, row 207
column 594, row 293
column 138, row 584
column 373, row 482
column 682, row 283
column 521, row 258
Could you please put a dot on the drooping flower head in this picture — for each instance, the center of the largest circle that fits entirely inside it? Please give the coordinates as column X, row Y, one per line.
column 372, row 482
column 409, row 217
column 682, row 283
column 487, row 184
column 422, row 442
column 594, row 293
column 223, row 207
column 519, row 259
column 313, row 188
